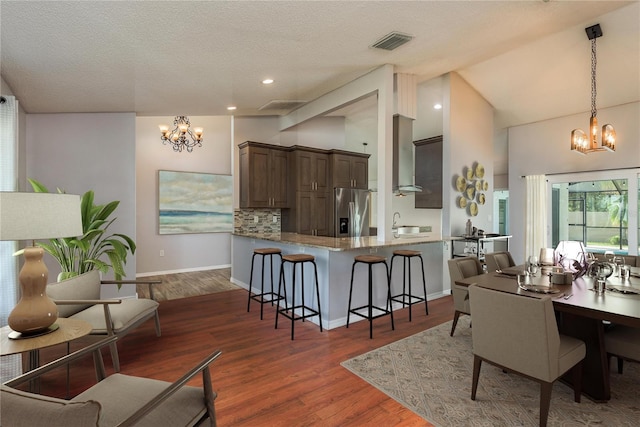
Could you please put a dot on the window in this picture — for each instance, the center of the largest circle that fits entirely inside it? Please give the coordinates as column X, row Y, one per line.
column 592, row 212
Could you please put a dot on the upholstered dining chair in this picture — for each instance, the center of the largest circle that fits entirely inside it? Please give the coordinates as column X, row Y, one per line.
column 116, row 400
column 79, row 298
column 461, row 268
column 519, row 334
column 498, row 261
column 623, row 342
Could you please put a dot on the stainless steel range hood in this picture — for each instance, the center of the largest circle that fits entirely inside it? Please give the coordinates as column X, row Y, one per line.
column 403, row 160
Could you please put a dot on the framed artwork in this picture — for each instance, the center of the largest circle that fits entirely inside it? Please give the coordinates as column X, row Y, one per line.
column 191, row 202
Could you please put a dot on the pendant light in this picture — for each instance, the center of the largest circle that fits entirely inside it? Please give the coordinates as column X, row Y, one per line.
column 580, row 141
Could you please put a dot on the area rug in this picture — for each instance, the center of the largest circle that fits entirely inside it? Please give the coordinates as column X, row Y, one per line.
column 430, row 373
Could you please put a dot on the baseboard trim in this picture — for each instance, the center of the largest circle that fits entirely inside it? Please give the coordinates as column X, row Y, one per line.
column 183, row 270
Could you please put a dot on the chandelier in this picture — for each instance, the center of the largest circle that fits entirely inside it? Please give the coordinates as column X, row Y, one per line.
column 580, row 141
column 182, row 137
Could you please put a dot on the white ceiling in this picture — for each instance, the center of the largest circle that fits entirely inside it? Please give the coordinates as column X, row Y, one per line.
column 529, row 59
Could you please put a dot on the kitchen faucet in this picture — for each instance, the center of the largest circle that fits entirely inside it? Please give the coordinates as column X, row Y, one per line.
column 394, row 218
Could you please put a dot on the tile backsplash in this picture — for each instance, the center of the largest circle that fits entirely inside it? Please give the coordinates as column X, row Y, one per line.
column 257, row 221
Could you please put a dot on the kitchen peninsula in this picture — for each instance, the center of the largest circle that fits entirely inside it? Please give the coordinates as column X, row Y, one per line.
column 334, row 259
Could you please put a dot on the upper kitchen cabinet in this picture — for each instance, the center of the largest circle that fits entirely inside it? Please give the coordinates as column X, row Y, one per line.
column 263, row 175
column 350, row 170
column 428, row 169
column 311, row 169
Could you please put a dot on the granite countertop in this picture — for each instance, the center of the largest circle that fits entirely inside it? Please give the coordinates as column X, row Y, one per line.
column 339, row 244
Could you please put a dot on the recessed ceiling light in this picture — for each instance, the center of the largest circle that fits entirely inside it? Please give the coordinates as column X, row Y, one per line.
column 267, row 81
column 231, row 107
column 437, row 106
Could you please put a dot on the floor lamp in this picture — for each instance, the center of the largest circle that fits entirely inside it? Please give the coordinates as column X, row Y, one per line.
column 34, row 216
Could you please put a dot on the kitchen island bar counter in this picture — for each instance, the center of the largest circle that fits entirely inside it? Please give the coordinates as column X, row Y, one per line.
column 343, row 243
column 334, row 258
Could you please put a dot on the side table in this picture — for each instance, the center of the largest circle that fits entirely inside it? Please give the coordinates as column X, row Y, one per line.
column 69, row 330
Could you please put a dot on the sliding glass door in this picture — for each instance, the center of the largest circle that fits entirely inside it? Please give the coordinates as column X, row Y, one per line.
column 596, row 211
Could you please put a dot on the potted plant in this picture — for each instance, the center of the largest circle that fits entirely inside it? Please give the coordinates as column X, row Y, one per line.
column 77, row 255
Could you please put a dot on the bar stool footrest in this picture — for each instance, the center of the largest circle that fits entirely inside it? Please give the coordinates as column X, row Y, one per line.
column 382, row 312
column 293, row 316
column 262, row 300
column 413, row 299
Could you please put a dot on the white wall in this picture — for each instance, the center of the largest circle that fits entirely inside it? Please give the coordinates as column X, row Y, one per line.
column 543, row 148
column 81, row 152
column 468, row 138
column 182, row 252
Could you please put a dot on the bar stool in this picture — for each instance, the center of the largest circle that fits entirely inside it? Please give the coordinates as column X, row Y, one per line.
column 295, row 259
column 407, row 298
column 370, row 261
column 262, row 296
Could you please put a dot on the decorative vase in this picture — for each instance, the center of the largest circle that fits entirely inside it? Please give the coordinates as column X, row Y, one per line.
column 35, row 311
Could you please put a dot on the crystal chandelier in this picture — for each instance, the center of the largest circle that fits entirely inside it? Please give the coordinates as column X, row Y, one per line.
column 580, row 141
column 182, row 137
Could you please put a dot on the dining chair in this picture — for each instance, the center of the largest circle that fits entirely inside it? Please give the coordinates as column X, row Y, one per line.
column 519, row 334
column 498, row 261
column 461, row 268
column 623, row 342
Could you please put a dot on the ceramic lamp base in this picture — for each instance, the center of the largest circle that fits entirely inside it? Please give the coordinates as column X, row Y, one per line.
column 35, row 311
column 14, row 335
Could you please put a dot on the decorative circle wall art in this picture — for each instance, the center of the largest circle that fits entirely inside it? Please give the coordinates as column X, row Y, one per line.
column 471, row 185
column 473, row 209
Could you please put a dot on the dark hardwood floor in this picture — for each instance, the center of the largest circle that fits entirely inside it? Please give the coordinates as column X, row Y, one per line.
column 262, row 378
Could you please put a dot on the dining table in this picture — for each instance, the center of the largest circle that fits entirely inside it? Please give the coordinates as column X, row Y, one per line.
column 581, row 312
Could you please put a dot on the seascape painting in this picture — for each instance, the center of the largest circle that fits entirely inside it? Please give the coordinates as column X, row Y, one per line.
column 192, row 202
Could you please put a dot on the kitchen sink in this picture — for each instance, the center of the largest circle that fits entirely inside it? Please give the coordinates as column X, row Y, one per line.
column 409, row 231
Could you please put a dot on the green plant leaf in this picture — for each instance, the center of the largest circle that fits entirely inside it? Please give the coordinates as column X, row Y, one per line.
column 90, row 251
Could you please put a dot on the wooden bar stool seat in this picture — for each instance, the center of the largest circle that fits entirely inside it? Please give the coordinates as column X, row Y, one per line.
column 304, row 310
column 406, row 298
column 370, row 311
column 263, row 297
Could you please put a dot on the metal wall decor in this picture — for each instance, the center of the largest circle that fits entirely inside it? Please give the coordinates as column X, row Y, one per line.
column 471, row 185
column 182, row 137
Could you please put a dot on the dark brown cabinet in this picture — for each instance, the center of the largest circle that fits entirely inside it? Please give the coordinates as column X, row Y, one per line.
column 264, row 174
column 311, row 169
column 350, row 170
column 310, row 188
column 312, row 213
column 300, row 181
column 428, row 167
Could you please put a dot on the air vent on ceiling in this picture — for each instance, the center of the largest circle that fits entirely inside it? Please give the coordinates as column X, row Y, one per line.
column 280, row 104
column 392, row 40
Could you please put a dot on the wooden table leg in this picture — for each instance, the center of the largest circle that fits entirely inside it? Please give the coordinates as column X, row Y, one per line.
column 595, row 372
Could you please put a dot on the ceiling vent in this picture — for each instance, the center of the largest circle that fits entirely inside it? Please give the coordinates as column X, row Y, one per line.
column 392, row 40
column 282, row 104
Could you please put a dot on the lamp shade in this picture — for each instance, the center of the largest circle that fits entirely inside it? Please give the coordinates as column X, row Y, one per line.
column 33, row 216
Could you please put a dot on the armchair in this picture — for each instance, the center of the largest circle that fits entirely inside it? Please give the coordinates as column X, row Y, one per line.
column 461, row 268
column 79, row 298
column 117, row 400
column 519, row 334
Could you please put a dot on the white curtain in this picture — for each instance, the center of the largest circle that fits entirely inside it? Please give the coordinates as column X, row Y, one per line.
column 535, row 235
column 11, row 365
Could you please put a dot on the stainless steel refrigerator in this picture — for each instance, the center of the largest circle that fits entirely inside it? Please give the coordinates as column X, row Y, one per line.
column 352, row 212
